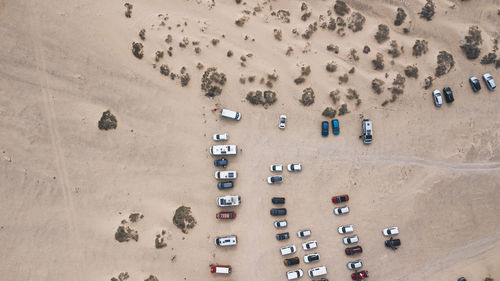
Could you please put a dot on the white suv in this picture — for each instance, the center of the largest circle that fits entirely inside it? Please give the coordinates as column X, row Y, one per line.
column 310, row 245
column 294, row 274
column 393, row 230
column 346, row 229
column 226, row 175
column 317, row 271
column 220, row 137
column 303, row 233
column 288, row 250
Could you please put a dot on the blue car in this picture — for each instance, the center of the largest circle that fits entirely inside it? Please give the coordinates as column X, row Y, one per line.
column 335, row 126
column 324, row 129
column 220, row 162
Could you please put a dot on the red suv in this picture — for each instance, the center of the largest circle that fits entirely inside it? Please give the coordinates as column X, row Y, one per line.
column 225, row 215
column 353, row 250
column 360, row 275
column 340, row 198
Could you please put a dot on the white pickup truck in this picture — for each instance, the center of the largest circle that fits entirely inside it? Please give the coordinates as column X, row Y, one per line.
column 228, row 200
column 230, row 149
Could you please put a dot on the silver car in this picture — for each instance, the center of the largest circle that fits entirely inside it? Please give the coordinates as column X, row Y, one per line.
column 341, row 210
column 488, row 80
column 351, row 239
column 438, row 98
column 354, row 265
column 346, row 229
column 280, row 224
column 282, row 122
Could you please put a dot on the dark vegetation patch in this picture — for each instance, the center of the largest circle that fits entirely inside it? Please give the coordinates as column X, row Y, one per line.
column 343, row 109
column 128, row 12
column 420, row 47
column 121, row 277
column 108, row 121
column 311, row 28
column 394, row 50
column 183, row 219
column 331, row 66
column 356, row 22
column 378, row 62
column 277, row 34
column 264, row 98
column 400, row 17
column 329, row 112
column 160, row 240
column 472, row 45
column 341, row 8
column 164, row 69
column 142, row 34
column 335, row 96
column 125, row 233
column 241, row 21
column 152, row 278
column 137, row 50
column 135, row 217
column 307, row 97
column 332, row 48
column 366, row 49
column 353, row 54
column 382, row 34
column 428, row 82
column 343, row 78
column 411, row 71
column 378, row 86
column 428, row 10
column 445, row 63
column 282, row 15
column 212, row 82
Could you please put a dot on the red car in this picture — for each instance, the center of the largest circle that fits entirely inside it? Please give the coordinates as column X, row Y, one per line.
column 225, row 215
column 359, row 275
column 220, row 269
column 340, row 198
column 353, row 250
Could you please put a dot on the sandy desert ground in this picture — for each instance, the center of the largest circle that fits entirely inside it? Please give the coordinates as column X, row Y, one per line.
column 66, row 185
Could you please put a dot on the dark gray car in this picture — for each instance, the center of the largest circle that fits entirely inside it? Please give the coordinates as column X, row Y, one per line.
column 278, row 212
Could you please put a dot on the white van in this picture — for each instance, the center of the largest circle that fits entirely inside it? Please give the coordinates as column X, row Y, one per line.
column 366, row 131
column 226, row 175
column 317, row 271
column 230, row 149
column 226, row 241
column 230, row 114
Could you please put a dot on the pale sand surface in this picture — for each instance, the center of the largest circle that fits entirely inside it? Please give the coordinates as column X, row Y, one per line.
column 66, row 185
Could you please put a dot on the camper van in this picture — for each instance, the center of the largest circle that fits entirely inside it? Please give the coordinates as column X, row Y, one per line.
column 224, row 149
column 366, row 131
column 231, row 114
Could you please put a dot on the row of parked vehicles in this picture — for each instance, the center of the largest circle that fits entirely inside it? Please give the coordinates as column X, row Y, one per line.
column 277, row 168
column 474, row 82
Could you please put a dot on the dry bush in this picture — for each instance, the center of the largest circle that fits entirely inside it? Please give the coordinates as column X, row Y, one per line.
column 428, row 82
column 151, row 278
column 277, row 34
column 340, row 22
column 400, row 17
column 382, row 34
column 185, row 78
column 343, row 78
column 335, row 96
column 158, row 55
column 428, row 10
column 331, row 66
column 411, row 71
column 341, row 8
column 125, row 234
column 310, row 30
column 264, row 98
column 420, row 47
column 343, row 109
column 378, row 86
column 137, row 50
column 142, row 34
column 215, row 41
column 351, row 71
column 331, row 24
column 282, row 15
column 472, row 45
column 333, row 48
column 164, row 70
column 378, row 62
column 366, row 49
column 229, row 53
column 353, row 54
column 356, row 22
column 329, row 112
column 445, row 63
column 289, row 51
column 307, row 97
column 299, row 80
column 128, row 12
column 352, row 94
column 241, row 21
column 108, row 121
column 305, row 70
column 399, row 80
column 135, row 217
column 212, row 82
column 183, row 219
column 394, row 50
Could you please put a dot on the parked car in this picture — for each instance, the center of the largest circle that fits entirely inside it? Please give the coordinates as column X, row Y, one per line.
column 341, row 210
column 335, row 126
column 291, row 261
column 304, row 233
column 274, row 179
column 276, row 168
column 230, row 149
column 294, row 274
column 311, row 258
column 225, row 215
column 278, row 211
column 343, row 229
column 340, row 198
column 324, row 128
column 317, row 271
column 231, row 240
column 282, row 122
column 283, row 236
column 351, row 239
column 350, row 251
column 225, row 185
column 278, row 200
column 220, row 162
column 448, row 95
column 230, row 114
column 354, row 264
column 462, row 279
column 321, row 279
column 438, row 98
column 294, row 167
column 288, row 250
column 226, row 175
column 393, row 230
column 488, row 80
column 310, row 245
column 474, row 82
column 221, row 269
column 359, row 275
column 220, row 137
column 228, row 200
column 366, row 131
column 280, row 223
column 393, row 243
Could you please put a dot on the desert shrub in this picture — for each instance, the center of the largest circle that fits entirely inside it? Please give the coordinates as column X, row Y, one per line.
column 264, row 98
column 377, row 86
column 353, row 54
column 151, row 278
column 135, row 217
column 340, row 22
column 299, row 80
column 185, row 78
column 341, row 8
column 108, row 121
column 331, row 66
column 142, row 34
column 382, row 34
column 399, row 80
column 378, row 62
column 351, row 71
column 366, row 49
column 472, row 45
column 305, row 70
column 183, row 219
column 277, row 34
column 335, row 96
column 128, row 12
column 331, row 24
column 343, row 78
column 428, row 82
column 158, row 55
column 445, row 63
column 428, row 10
column 356, row 22
column 241, row 21
column 125, row 234
column 137, row 50
column 215, row 41
column 164, row 69
column 420, row 47
column 352, row 94
column 282, row 15
column 229, row 53
column 333, row 48
column 400, row 17
column 411, row 71
column 311, row 28
column 307, row 97
column 343, row 109
column 212, row 82
column 394, row 50
column 329, row 112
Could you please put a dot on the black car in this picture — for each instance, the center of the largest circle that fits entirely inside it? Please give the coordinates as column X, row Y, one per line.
column 321, row 279
column 278, row 200
column 225, row 185
column 324, row 128
column 282, row 236
column 220, row 162
column 393, row 243
column 474, row 82
column 448, row 95
column 291, row 261
column 312, row 257
column 278, row 212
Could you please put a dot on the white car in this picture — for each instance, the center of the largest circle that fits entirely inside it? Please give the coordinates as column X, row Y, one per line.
column 351, row 239
column 226, row 175
column 282, row 122
column 221, row 137
column 317, row 271
column 294, row 274
column 310, row 245
column 341, row 210
column 346, row 229
column 354, row 265
column 228, row 200
column 274, row 179
column 311, row 258
column 280, row 224
column 226, row 241
column 438, row 98
column 393, row 230
column 276, row 168
column 294, row 167
column 288, row 250
column 488, row 80
column 303, row 233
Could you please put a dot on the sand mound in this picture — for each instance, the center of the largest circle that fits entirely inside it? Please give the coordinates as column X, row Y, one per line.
column 108, row 121
column 212, row 82
column 183, row 219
